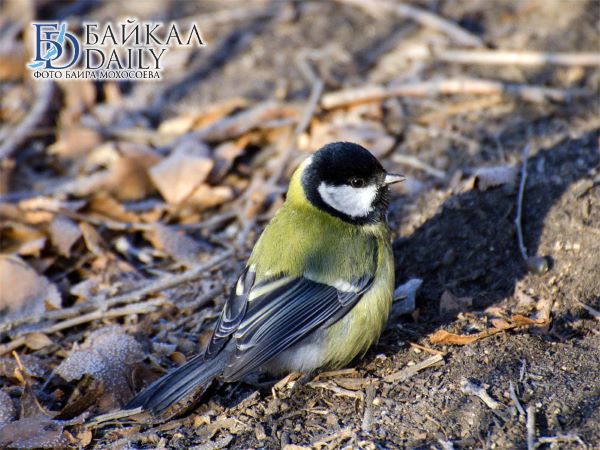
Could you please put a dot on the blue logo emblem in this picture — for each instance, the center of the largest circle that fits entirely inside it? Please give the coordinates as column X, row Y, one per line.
column 51, row 43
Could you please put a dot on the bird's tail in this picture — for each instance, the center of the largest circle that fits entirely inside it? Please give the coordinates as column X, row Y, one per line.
column 192, row 378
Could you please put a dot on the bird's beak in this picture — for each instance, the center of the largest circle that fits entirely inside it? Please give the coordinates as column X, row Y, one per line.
column 391, row 178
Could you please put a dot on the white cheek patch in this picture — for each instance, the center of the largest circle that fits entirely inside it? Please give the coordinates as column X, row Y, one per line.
column 354, row 202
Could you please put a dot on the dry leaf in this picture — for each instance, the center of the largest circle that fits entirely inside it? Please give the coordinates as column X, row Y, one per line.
column 24, row 292
column 111, row 208
column 36, row 341
column 177, row 244
column 451, row 304
column 92, row 239
column 21, row 239
column 73, row 142
column 33, row 432
column 489, row 177
column 8, row 412
column 78, row 97
column 239, row 124
column 178, row 175
column 205, row 196
column 128, row 177
column 107, row 355
column 369, row 134
column 225, row 154
column 33, row 365
column 63, row 234
column 444, row 337
column 38, row 210
column 13, row 59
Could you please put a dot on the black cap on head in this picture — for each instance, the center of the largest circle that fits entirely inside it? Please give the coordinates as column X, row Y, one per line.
column 342, row 165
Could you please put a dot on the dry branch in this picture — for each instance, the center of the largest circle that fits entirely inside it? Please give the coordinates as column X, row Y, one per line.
column 44, row 92
column 470, row 388
column 101, row 303
column 520, row 195
column 449, row 86
column 503, row 57
column 530, row 427
column 428, row 19
column 411, row 371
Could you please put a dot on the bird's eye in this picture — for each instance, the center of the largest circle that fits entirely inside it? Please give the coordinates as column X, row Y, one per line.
column 357, row 182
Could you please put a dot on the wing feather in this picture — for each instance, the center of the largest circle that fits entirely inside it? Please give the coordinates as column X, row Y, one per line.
column 266, row 318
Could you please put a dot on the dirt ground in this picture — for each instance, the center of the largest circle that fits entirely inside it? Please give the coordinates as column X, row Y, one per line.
column 458, row 239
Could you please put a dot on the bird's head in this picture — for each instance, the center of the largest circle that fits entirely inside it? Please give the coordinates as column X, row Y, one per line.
column 346, row 181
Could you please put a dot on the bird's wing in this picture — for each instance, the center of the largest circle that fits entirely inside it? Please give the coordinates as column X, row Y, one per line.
column 268, row 317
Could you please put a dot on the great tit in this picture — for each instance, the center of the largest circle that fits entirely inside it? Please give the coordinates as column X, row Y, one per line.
column 317, row 289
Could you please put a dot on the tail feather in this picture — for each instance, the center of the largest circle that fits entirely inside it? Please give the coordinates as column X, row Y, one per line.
column 175, row 386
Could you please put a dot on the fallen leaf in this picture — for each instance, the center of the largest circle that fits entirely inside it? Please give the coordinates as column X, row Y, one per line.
column 451, row 304
column 8, row 412
column 36, row 341
column 107, row 355
column 39, row 210
column 205, row 196
column 489, row 177
column 33, row 432
column 177, row 244
column 242, row 122
column 13, row 59
column 34, row 366
column 21, row 239
column 369, row 134
column 73, row 142
column 180, row 174
column 92, row 239
column 63, row 234
column 444, row 337
column 128, row 177
column 447, row 338
column 24, row 292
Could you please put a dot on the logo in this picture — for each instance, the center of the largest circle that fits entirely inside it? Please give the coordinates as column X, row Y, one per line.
column 51, row 45
column 126, row 50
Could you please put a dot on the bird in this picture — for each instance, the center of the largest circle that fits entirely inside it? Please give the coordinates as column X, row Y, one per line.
column 316, row 290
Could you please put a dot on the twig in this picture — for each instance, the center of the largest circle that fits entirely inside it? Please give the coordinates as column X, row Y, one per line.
column 425, row 18
column 530, row 427
column 446, row 445
column 44, row 93
column 426, row 349
column 514, row 398
column 336, row 389
column 137, row 308
column 524, row 157
column 410, row 371
column 309, row 111
column 12, row 345
column 475, row 86
column 560, row 438
column 367, row 421
column 416, row 163
column 594, row 313
column 99, row 302
column 470, row 388
column 503, row 57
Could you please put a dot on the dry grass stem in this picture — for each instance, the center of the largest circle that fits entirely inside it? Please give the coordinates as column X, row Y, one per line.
column 424, row 18
column 44, row 93
column 410, row 371
column 448, row 86
column 470, row 388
